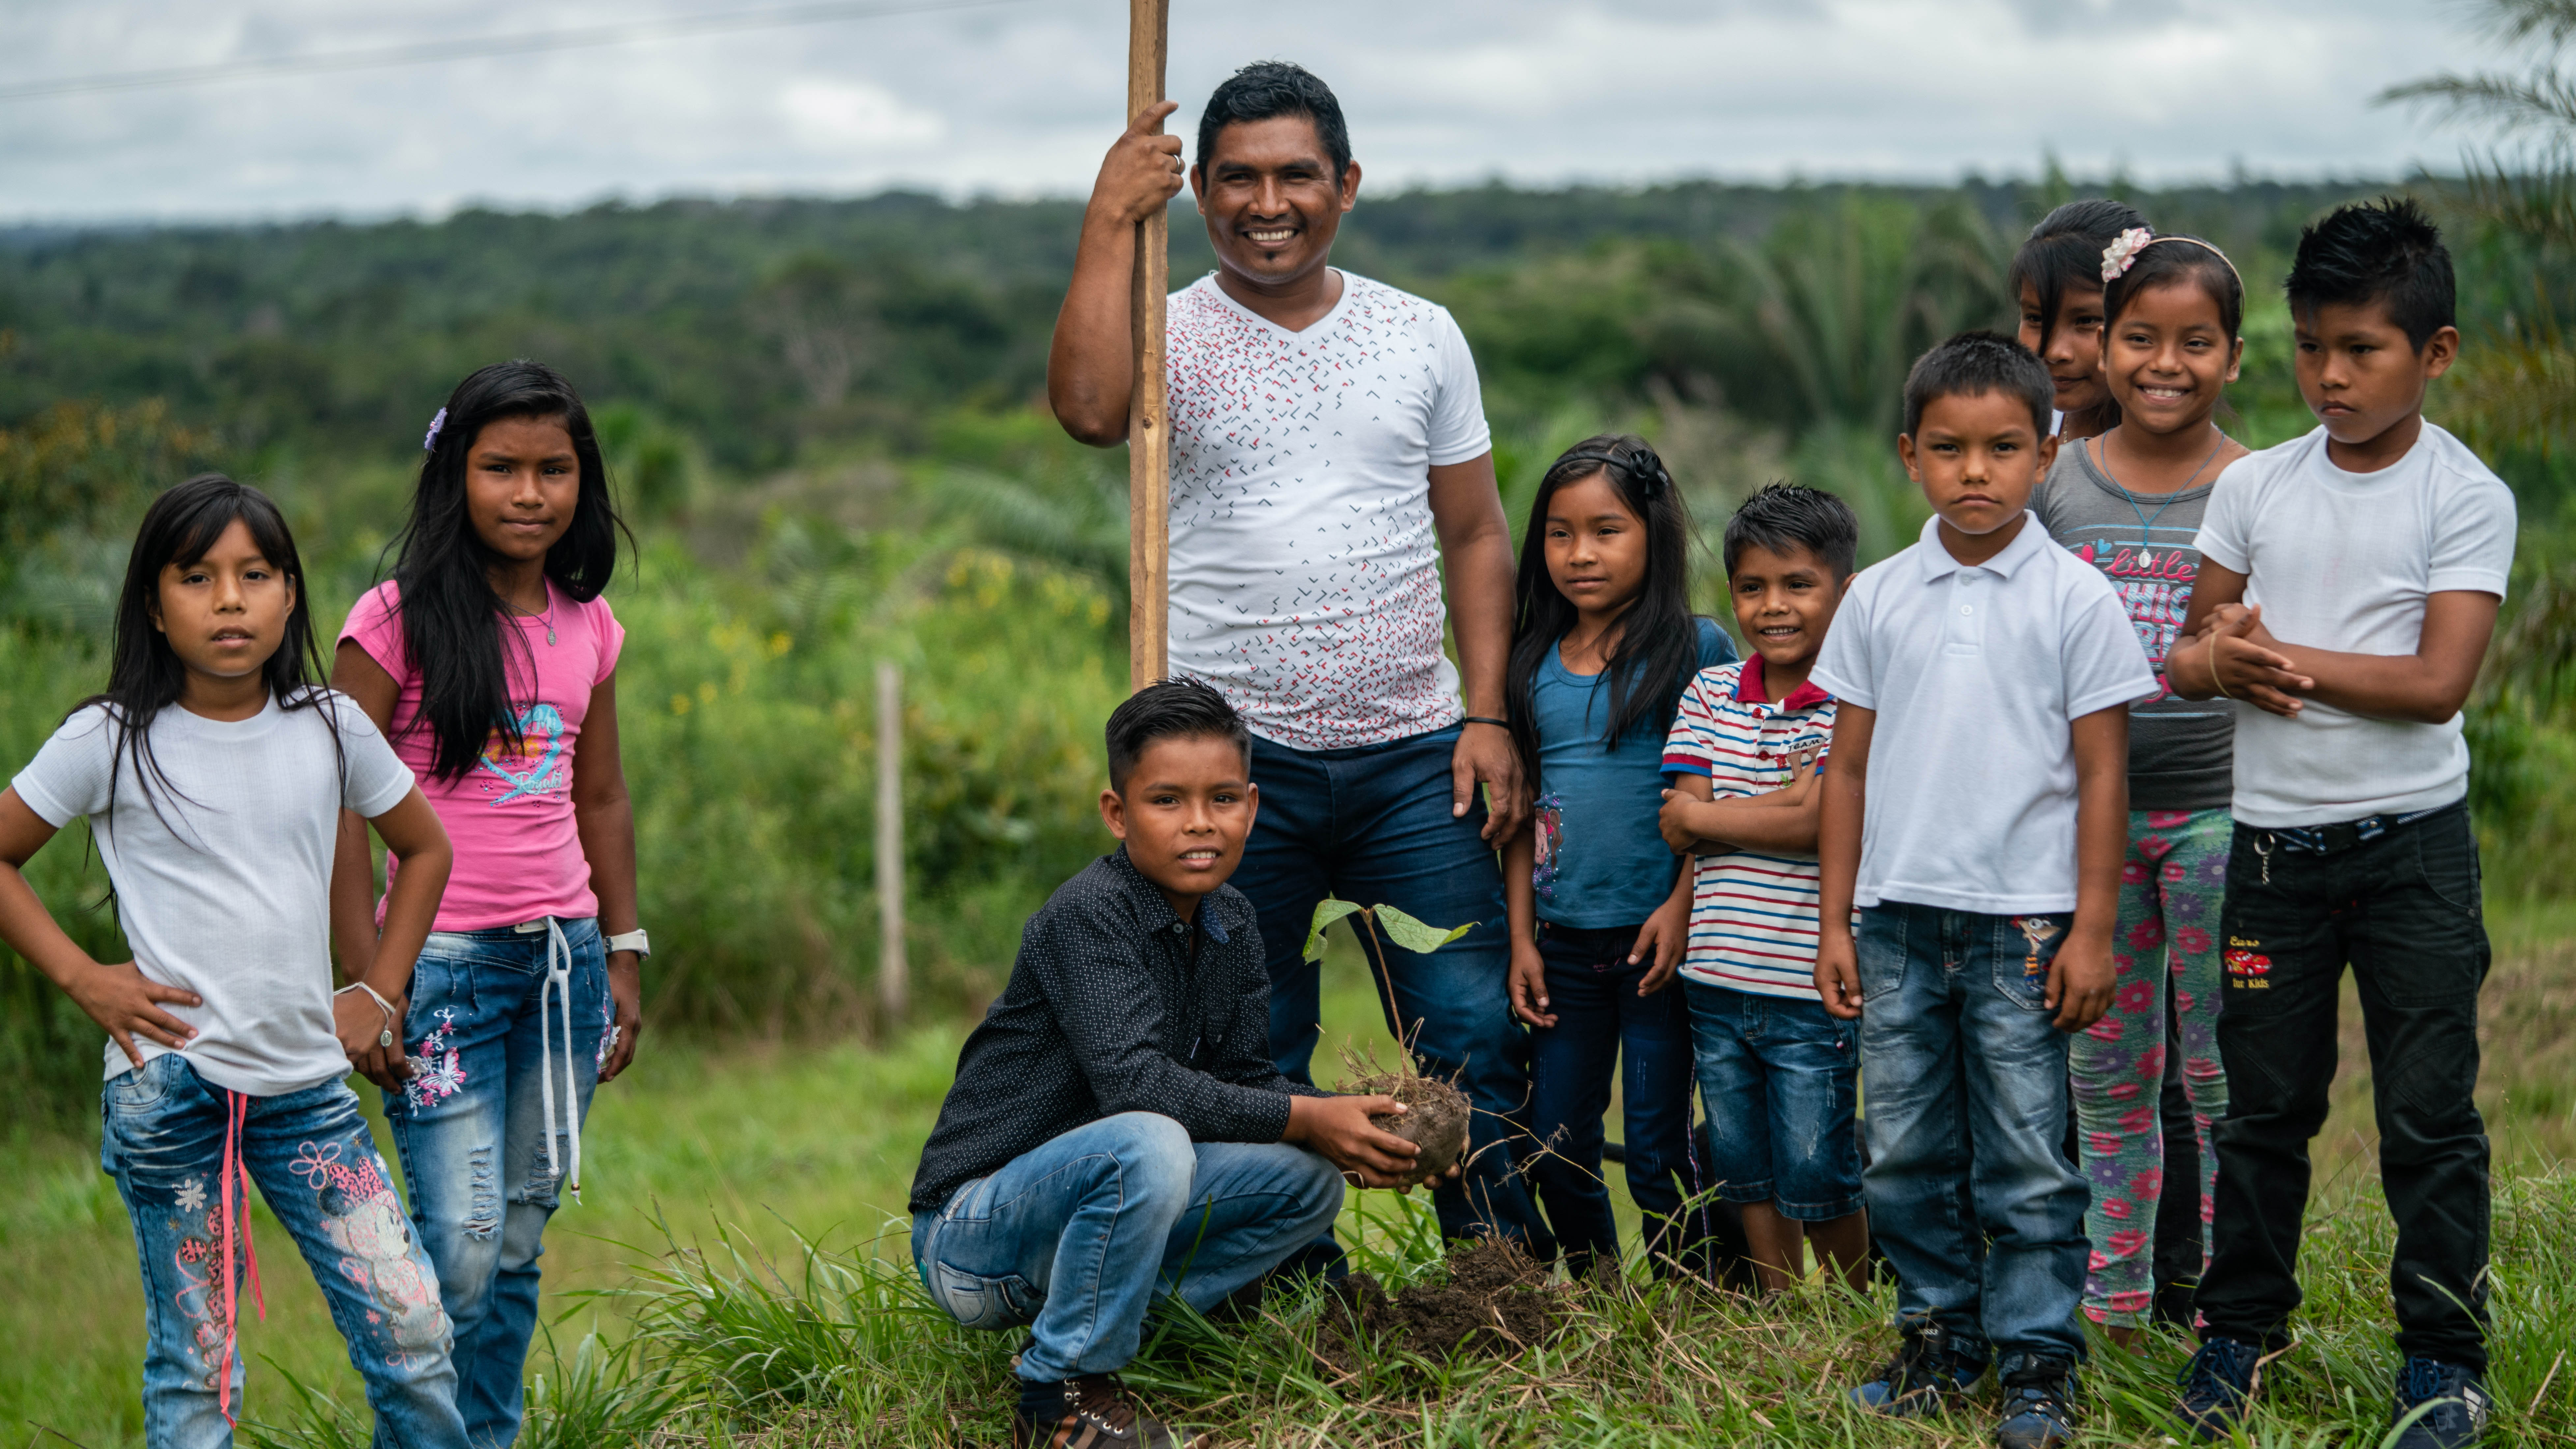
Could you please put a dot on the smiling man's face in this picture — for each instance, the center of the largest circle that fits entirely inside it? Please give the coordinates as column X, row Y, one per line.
column 1184, row 810
column 1271, row 200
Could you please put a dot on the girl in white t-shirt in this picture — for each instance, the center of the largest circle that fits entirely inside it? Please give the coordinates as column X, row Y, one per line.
column 490, row 660
column 213, row 771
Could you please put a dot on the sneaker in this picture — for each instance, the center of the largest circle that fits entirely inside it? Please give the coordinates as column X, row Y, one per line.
column 2458, row 1400
column 1097, row 1414
column 2218, row 1386
column 2039, row 1402
column 1928, row 1375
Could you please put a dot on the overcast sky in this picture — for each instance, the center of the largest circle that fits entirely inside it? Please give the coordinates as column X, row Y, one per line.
column 1020, row 96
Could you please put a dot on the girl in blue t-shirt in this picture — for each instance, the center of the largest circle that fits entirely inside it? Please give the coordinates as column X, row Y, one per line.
column 1603, row 644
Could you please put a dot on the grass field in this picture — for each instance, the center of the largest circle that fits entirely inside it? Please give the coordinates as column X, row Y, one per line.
column 747, row 1154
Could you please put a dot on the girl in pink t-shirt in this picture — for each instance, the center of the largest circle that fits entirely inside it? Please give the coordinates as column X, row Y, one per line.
column 490, row 660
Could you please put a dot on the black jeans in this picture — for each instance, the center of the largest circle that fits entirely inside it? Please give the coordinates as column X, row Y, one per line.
column 2402, row 909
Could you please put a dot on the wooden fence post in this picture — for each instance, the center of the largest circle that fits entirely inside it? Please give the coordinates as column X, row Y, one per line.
column 1149, row 442
column 893, row 975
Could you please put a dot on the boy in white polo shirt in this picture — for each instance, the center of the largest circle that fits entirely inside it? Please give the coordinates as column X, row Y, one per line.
column 1976, row 813
column 2373, row 553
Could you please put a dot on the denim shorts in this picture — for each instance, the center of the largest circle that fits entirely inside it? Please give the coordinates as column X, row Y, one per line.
column 1781, row 1080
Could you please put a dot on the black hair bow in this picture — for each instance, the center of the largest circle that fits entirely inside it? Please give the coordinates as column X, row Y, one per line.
column 1643, row 468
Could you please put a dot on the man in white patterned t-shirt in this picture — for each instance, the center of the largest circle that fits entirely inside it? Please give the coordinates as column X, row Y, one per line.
column 1330, row 461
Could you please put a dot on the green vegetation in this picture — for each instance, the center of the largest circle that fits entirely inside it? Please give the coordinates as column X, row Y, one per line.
column 741, row 1155
column 822, row 416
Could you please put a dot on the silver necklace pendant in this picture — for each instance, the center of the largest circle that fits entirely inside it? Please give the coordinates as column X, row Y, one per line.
column 550, row 636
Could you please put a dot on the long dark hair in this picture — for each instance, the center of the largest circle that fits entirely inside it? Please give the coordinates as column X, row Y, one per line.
column 1658, row 648
column 454, row 622
column 144, row 674
column 2064, row 250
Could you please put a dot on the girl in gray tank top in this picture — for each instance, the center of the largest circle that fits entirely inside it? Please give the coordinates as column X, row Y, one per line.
column 2129, row 502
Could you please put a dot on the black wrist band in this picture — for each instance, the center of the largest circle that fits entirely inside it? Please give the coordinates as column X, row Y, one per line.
column 1500, row 724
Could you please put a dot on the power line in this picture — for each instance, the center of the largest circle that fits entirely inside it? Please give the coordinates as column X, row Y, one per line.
column 533, row 42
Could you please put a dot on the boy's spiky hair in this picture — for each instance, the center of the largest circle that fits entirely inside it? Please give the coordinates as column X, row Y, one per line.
column 1785, row 516
column 1973, row 364
column 2385, row 251
column 1170, row 709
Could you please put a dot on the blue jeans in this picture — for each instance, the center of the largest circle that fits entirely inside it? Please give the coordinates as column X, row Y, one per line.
column 1599, row 1018
column 471, row 1129
column 1782, row 1081
column 1076, row 1238
column 163, row 1140
column 1371, row 824
column 1970, row 1193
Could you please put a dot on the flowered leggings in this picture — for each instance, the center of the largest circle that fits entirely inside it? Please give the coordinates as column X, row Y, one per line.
column 2171, row 884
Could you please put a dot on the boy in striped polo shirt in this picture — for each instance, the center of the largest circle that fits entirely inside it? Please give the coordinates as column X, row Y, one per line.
column 1777, row 1071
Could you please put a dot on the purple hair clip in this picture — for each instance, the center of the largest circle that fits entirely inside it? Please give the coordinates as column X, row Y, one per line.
column 430, row 443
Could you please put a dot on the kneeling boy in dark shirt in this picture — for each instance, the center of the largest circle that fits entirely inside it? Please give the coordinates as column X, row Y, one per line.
column 1117, row 1129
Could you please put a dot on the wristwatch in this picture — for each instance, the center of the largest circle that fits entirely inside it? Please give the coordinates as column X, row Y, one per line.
column 634, row 940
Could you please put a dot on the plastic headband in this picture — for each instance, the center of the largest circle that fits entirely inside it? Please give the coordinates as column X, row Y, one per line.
column 2122, row 254
column 1641, row 465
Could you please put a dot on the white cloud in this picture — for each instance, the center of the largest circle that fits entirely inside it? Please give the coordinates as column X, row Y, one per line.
column 830, row 115
column 1020, row 97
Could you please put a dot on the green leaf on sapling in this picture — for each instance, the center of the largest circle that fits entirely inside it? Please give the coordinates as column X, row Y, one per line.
column 1327, row 911
column 1412, row 935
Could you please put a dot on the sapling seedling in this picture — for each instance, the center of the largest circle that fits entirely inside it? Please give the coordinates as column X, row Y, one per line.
column 1436, row 1112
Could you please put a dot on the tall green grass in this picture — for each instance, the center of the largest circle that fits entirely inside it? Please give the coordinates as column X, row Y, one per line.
column 833, row 1348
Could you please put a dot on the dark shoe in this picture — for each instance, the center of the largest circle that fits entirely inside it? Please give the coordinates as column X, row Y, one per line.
column 2039, row 1402
column 1927, row 1376
column 2218, row 1386
column 1097, row 1414
column 2459, row 1405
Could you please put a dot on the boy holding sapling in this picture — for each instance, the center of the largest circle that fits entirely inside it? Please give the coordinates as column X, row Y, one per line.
column 1117, row 1130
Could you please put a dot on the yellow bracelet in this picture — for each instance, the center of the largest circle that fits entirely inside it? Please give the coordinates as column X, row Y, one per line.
column 2219, row 684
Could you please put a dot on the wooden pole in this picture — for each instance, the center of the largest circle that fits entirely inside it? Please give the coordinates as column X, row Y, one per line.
column 893, row 975
column 1149, row 441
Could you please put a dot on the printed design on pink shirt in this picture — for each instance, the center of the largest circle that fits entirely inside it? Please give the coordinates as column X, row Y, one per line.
column 538, row 767
column 1343, row 644
column 2155, row 588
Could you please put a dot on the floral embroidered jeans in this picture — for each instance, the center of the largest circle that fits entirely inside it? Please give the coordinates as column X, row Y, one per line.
column 472, row 1130
column 167, row 1136
column 2166, row 948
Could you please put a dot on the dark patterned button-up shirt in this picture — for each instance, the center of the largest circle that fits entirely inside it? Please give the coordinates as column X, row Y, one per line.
column 1115, row 1004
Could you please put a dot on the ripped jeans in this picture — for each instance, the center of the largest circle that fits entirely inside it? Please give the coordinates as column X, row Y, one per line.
column 164, row 1140
column 472, row 1132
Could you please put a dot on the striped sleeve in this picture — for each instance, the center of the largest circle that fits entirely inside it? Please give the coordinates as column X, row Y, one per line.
column 1691, row 748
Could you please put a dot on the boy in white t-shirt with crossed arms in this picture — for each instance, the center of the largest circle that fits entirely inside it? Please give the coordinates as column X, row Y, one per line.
column 1976, row 812
column 2349, row 583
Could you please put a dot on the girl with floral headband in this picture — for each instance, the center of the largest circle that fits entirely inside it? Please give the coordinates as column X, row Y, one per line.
column 2130, row 502
column 490, row 659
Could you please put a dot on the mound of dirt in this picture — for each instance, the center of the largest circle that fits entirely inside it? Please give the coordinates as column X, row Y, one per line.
column 1435, row 1118
column 1497, row 1301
